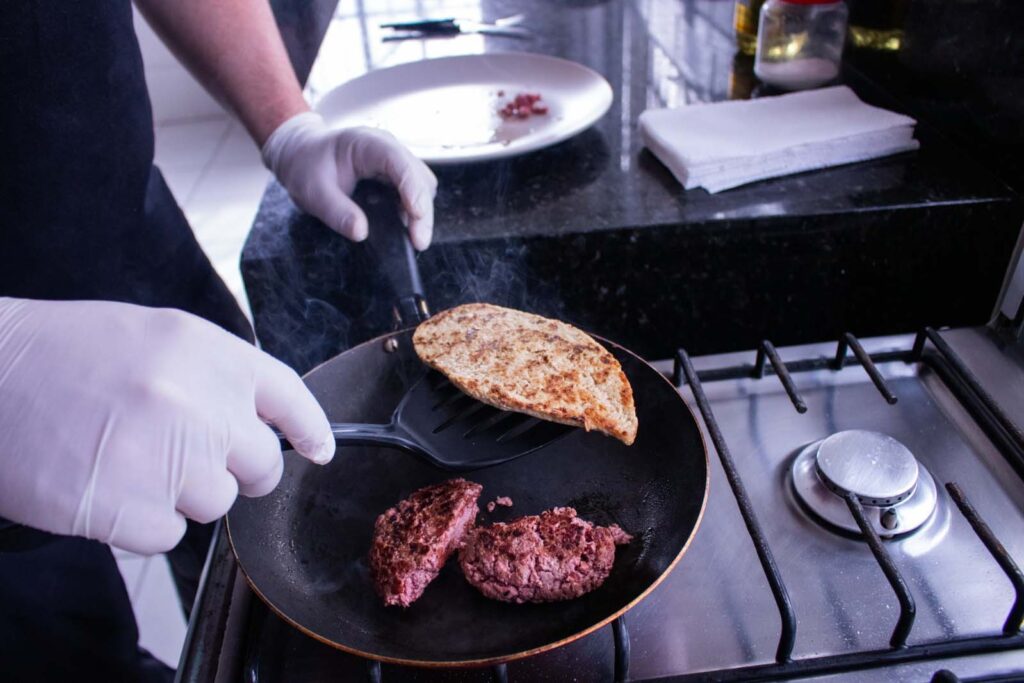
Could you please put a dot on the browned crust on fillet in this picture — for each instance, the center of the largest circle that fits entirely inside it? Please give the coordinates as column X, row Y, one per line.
column 529, row 364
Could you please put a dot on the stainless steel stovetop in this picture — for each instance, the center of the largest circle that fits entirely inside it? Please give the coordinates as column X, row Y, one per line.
column 717, row 611
column 716, row 617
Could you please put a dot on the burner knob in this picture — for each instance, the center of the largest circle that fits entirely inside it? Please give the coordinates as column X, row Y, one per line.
column 890, row 520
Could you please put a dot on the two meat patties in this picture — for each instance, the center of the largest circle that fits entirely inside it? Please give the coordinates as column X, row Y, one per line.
column 538, row 558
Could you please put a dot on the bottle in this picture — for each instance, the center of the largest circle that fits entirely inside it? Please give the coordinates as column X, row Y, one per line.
column 800, row 42
column 744, row 22
column 741, row 77
column 877, row 24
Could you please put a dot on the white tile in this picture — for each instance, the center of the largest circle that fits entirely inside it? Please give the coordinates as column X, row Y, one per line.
column 176, row 96
column 133, row 571
column 238, row 149
column 182, row 181
column 189, row 145
column 239, row 185
column 232, row 277
column 154, row 52
column 158, row 612
column 221, row 227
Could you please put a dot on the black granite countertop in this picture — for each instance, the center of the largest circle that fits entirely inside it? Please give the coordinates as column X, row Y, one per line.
column 597, row 231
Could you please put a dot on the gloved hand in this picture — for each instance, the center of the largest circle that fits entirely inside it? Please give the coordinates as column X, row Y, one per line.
column 319, row 167
column 118, row 421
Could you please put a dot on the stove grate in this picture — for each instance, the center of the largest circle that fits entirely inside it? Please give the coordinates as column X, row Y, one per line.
column 1007, row 437
column 907, row 608
column 1009, row 567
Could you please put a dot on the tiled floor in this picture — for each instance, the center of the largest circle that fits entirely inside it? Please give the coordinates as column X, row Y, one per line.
column 214, row 171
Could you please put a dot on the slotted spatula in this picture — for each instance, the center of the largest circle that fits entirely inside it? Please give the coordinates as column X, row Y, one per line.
column 436, row 421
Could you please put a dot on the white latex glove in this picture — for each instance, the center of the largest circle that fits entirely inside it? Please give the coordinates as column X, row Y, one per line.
column 118, row 421
column 320, row 167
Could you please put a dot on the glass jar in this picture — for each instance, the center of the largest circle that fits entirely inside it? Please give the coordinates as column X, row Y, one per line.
column 800, row 42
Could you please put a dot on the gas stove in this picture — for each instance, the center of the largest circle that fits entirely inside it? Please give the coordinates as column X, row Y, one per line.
column 865, row 522
column 864, row 482
column 866, row 507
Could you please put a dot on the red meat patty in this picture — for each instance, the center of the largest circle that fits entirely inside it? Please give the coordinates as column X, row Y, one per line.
column 540, row 558
column 413, row 540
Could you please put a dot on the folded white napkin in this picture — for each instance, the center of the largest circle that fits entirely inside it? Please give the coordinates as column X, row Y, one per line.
column 726, row 144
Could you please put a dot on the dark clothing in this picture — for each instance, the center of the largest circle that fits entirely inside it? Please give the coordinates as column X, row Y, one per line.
column 65, row 616
column 84, row 214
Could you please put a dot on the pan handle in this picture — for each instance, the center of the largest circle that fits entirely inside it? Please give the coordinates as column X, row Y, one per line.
column 355, row 434
column 396, row 258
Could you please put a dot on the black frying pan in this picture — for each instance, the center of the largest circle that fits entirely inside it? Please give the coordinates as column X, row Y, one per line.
column 304, row 547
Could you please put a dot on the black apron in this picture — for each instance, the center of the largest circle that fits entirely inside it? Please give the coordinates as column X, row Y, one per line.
column 84, row 214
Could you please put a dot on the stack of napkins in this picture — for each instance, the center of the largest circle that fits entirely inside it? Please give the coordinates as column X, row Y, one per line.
column 726, row 144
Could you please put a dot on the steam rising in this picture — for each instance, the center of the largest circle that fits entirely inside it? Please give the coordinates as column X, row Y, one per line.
column 496, row 272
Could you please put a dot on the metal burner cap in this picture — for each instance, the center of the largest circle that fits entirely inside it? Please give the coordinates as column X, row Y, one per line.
column 898, row 494
column 875, row 467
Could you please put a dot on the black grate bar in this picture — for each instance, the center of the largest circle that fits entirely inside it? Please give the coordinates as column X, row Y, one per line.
column 840, row 359
column 869, row 366
column 767, row 348
column 788, row 635
column 918, row 349
column 499, row 673
column 1008, row 677
column 758, row 371
column 622, row 647
column 1006, row 563
column 863, row 660
column 892, row 574
column 971, row 381
column 804, row 365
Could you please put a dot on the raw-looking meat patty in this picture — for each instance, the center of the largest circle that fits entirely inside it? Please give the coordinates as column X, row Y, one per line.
column 540, row 558
column 413, row 540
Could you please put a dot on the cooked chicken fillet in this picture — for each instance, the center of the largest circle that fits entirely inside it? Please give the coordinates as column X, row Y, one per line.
column 525, row 363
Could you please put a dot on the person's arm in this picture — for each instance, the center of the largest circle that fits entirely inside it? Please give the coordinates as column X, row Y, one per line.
column 234, row 48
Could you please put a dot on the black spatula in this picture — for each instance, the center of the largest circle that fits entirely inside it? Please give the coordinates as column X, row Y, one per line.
column 436, row 421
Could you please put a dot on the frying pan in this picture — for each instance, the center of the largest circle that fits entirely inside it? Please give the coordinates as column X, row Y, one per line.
column 304, row 547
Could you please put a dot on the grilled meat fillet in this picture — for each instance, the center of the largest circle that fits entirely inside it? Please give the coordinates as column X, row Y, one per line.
column 525, row 363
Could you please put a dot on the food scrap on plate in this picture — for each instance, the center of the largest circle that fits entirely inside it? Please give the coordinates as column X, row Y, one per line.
column 522, row 106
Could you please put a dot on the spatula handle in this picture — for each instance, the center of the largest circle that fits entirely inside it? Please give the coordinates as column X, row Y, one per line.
column 355, row 434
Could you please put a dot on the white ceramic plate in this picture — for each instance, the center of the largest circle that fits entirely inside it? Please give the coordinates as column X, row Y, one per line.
column 447, row 110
